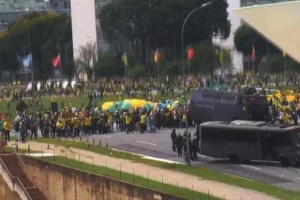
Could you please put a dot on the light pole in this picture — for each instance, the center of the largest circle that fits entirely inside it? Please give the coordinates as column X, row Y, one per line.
column 91, row 63
column 184, row 78
column 284, row 60
column 32, row 76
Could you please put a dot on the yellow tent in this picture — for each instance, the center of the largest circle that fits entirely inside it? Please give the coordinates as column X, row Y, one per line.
column 138, row 103
column 107, row 105
column 154, row 105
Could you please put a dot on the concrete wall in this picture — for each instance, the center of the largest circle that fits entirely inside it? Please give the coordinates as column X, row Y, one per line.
column 6, row 193
column 65, row 183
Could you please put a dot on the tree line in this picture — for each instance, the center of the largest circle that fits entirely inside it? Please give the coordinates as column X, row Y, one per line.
column 149, row 25
column 269, row 58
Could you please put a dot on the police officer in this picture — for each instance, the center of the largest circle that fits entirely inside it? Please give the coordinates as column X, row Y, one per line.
column 179, row 143
column 194, row 148
column 197, row 137
column 23, row 129
column 173, row 138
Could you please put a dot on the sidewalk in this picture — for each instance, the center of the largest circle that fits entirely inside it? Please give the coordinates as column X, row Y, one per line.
column 214, row 188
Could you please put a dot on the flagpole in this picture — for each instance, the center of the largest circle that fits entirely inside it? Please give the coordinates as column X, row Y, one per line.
column 158, row 75
column 284, row 67
column 253, row 67
column 253, row 58
column 93, row 77
column 125, row 71
column 60, row 68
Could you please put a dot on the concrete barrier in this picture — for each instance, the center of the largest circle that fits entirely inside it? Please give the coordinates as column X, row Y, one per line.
column 67, row 183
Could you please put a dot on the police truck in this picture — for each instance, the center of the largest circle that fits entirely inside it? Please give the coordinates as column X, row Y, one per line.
column 250, row 140
column 228, row 106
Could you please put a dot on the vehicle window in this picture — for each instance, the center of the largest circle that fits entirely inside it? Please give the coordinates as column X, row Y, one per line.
column 217, row 97
column 242, row 100
column 252, row 137
column 258, row 100
column 229, row 98
column 280, row 139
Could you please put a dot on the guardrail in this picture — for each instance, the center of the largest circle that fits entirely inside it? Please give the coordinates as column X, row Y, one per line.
column 36, row 181
column 14, row 178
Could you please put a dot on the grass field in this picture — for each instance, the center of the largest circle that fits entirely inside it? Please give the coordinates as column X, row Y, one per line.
column 130, row 178
column 196, row 171
column 74, row 101
column 22, row 151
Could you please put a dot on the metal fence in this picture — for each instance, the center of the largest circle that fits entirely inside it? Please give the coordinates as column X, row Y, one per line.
column 150, row 181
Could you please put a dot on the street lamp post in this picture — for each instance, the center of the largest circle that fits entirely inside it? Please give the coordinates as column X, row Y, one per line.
column 32, row 75
column 184, row 78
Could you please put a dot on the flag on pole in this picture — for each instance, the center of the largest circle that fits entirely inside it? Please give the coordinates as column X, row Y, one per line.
column 253, row 55
column 56, row 62
column 27, row 61
column 124, row 59
column 156, row 56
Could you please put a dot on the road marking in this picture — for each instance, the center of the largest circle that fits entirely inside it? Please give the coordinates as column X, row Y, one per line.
column 298, row 178
column 161, row 160
column 106, row 136
column 251, row 167
column 146, row 143
column 237, row 176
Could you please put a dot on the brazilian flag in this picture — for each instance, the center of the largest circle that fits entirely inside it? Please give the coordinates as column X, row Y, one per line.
column 276, row 100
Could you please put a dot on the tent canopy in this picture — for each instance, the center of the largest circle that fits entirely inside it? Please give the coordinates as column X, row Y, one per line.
column 279, row 23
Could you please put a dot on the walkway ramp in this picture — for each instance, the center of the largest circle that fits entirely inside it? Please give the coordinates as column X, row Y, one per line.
column 20, row 182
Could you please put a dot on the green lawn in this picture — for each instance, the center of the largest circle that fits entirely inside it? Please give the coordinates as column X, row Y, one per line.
column 130, row 178
column 22, row 151
column 74, row 101
column 196, row 171
column 67, row 100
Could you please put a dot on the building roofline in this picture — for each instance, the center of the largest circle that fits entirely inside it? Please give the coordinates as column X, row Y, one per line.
column 265, row 5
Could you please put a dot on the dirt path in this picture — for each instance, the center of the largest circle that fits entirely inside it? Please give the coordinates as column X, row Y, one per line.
column 214, row 188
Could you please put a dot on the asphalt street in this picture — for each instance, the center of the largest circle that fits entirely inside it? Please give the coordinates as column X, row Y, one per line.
column 159, row 145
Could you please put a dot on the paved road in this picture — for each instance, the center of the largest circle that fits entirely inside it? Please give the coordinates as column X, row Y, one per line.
column 159, row 145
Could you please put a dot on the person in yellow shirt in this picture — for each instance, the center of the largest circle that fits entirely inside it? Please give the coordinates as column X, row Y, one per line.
column 59, row 126
column 285, row 118
column 128, row 122
column 110, row 121
column 76, row 126
column 7, row 127
column 143, row 123
column 183, row 122
column 87, row 124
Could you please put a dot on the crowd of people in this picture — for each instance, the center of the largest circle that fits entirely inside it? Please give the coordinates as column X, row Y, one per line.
column 71, row 121
column 166, row 85
column 76, row 121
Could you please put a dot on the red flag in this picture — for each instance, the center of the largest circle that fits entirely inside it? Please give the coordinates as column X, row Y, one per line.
column 191, row 54
column 253, row 56
column 56, row 61
column 156, row 56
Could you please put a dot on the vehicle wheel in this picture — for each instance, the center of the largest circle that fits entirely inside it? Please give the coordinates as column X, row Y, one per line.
column 233, row 158
column 246, row 161
column 285, row 162
column 235, row 118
